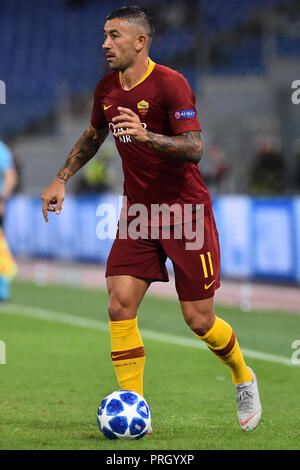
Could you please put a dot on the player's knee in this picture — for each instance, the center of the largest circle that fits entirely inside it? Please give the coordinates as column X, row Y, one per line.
column 120, row 310
column 200, row 322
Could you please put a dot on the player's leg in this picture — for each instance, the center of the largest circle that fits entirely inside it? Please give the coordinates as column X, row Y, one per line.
column 197, row 275
column 131, row 266
column 218, row 336
column 196, row 278
column 221, row 340
column 127, row 348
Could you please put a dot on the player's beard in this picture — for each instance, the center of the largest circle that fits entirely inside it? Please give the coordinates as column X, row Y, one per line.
column 120, row 65
column 116, row 67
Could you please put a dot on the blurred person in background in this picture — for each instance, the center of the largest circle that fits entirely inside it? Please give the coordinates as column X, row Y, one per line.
column 8, row 181
column 97, row 177
column 268, row 173
column 217, row 168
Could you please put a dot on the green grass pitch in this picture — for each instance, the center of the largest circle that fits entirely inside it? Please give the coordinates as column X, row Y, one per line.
column 57, row 373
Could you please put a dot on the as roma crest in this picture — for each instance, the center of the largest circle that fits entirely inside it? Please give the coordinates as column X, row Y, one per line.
column 143, row 107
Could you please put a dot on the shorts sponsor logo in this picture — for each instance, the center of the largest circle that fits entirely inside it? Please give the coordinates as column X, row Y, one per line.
column 107, row 107
column 185, row 114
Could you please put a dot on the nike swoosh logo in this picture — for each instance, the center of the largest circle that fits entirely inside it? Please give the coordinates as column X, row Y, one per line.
column 207, row 286
column 116, row 356
column 106, row 107
column 247, row 420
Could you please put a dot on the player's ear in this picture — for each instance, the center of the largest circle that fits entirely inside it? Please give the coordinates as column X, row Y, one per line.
column 140, row 43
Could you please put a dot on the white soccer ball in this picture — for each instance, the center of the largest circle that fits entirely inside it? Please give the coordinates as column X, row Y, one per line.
column 124, row 415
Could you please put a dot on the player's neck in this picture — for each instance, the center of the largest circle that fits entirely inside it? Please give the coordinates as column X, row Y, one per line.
column 134, row 74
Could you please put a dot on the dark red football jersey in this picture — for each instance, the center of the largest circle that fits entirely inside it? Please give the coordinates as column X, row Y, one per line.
column 165, row 104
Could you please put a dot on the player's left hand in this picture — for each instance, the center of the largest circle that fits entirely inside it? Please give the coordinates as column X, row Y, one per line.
column 129, row 124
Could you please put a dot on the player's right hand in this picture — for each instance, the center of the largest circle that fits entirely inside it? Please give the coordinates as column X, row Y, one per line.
column 53, row 198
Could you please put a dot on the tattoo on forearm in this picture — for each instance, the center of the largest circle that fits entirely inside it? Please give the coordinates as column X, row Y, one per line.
column 84, row 149
column 186, row 146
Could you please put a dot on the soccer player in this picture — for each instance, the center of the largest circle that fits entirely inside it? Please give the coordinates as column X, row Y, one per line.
column 150, row 110
column 8, row 181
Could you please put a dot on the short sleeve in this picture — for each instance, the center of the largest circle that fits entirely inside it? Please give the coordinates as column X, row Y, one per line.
column 180, row 101
column 6, row 160
column 98, row 120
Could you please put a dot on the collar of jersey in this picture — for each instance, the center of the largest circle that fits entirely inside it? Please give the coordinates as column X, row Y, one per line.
column 151, row 66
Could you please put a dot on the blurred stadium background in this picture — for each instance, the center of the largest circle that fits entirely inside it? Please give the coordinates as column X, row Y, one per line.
column 240, row 58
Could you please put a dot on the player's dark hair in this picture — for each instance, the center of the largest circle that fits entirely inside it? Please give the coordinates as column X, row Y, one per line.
column 134, row 13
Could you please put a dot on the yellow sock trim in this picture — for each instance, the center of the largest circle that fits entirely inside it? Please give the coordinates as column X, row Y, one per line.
column 128, row 354
column 222, row 342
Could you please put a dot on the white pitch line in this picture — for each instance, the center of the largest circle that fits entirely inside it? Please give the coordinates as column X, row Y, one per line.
column 43, row 314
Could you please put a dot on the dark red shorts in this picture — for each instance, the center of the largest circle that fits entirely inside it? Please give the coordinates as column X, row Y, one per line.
column 197, row 271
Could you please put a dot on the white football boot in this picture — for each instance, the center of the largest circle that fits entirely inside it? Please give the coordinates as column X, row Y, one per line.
column 149, row 430
column 248, row 402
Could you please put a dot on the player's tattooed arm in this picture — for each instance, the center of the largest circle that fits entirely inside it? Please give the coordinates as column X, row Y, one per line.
column 84, row 149
column 186, row 146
